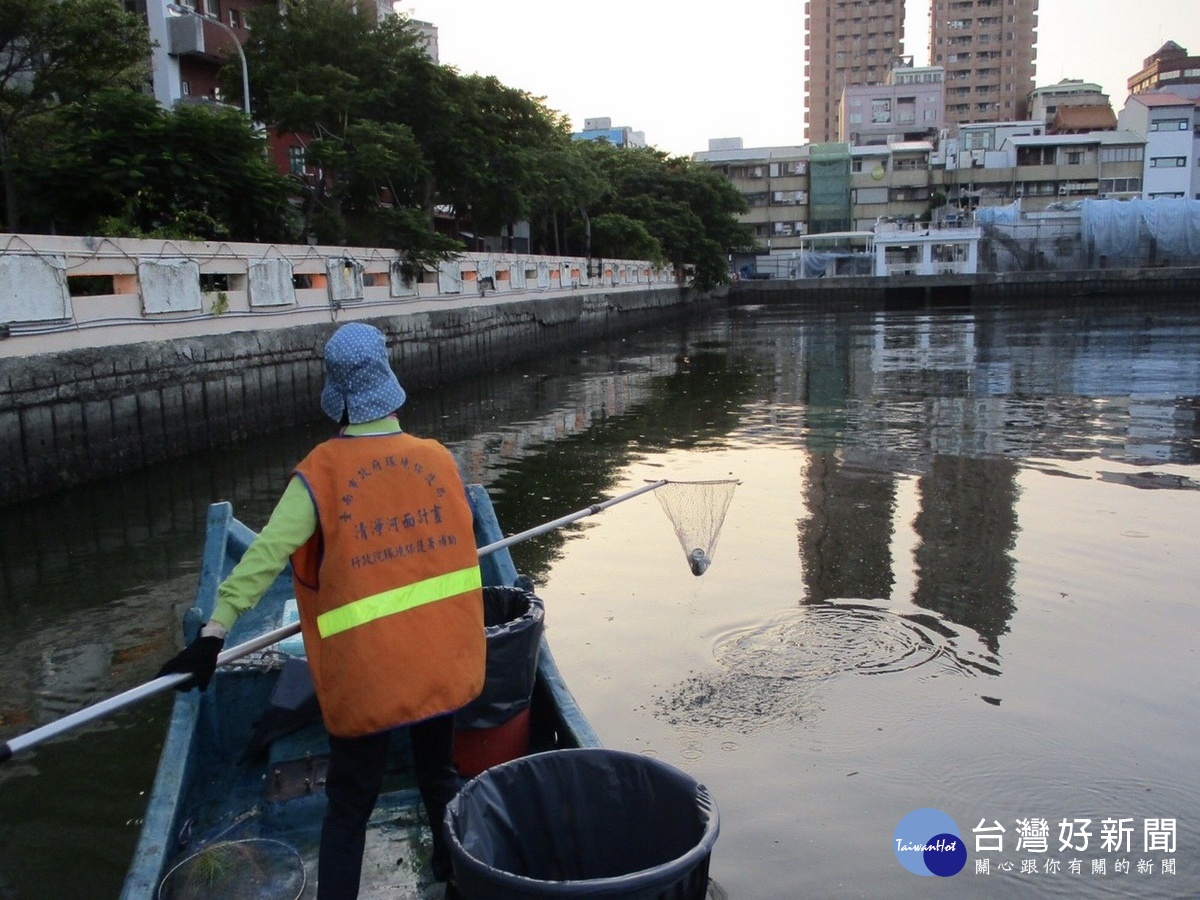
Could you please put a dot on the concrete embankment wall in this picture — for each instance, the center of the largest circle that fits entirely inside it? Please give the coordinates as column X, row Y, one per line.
column 72, row 416
column 918, row 290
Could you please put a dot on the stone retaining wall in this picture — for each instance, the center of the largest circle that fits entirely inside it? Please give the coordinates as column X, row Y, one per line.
column 77, row 415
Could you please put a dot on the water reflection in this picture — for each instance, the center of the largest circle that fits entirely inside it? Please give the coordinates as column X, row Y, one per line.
column 845, row 540
column 967, row 527
column 905, row 440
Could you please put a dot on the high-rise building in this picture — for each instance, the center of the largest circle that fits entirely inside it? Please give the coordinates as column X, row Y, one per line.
column 986, row 48
column 846, row 42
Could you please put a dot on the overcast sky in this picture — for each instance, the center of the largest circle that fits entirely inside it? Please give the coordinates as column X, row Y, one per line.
column 685, row 72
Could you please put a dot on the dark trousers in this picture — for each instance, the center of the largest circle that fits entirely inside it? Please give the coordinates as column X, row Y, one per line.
column 356, row 769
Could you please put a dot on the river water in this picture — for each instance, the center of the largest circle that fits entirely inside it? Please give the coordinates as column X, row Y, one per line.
column 957, row 573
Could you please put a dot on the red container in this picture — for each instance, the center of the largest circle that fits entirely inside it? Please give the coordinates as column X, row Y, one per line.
column 476, row 749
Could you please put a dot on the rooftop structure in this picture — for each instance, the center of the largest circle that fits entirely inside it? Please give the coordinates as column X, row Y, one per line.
column 1082, row 119
column 908, row 107
column 601, row 129
column 1168, row 68
column 1045, row 102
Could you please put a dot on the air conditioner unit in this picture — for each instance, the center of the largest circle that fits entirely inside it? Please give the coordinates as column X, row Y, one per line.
column 1062, row 190
column 1019, row 192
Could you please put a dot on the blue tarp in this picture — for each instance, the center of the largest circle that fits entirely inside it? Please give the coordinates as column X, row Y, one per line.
column 1117, row 227
column 816, row 263
column 998, row 215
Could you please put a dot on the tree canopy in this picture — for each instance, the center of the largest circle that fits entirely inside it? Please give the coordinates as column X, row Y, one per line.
column 118, row 164
column 399, row 151
column 54, row 53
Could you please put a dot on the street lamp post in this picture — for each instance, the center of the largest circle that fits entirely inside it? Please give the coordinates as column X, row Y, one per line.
column 176, row 10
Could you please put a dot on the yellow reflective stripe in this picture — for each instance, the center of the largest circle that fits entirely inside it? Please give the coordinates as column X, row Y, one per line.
column 368, row 609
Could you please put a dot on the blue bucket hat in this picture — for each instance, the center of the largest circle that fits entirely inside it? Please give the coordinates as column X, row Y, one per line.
column 358, row 376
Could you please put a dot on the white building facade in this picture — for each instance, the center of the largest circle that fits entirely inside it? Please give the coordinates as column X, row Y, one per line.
column 1169, row 123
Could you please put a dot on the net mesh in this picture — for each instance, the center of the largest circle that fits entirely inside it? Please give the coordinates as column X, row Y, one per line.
column 253, row 869
column 697, row 510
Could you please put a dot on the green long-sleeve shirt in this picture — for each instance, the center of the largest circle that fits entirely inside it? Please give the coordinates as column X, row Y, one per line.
column 292, row 522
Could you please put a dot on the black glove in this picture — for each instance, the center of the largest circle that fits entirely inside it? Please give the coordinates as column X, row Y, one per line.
column 199, row 658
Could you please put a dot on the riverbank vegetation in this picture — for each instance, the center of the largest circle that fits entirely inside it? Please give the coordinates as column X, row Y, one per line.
column 388, row 148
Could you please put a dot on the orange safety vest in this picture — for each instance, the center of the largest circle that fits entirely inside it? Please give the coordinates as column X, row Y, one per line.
column 388, row 587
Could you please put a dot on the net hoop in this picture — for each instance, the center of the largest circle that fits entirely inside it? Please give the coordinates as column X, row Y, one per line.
column 697, row 511
column 250, row 866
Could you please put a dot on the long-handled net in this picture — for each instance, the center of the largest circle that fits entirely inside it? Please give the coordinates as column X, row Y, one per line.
column 697, row 511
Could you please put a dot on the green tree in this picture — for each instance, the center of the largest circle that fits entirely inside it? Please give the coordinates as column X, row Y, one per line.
column 505, row 135
column 569, row 184
column 689, row 210
column 117, row 163
column 382, row 122
column 54, row 53
column 366, row 91
column 347, row 86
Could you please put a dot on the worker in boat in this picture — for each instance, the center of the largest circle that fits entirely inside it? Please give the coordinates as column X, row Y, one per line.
column 379, row 531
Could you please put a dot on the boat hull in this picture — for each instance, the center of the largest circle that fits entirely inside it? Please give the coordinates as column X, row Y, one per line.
column 215, row 813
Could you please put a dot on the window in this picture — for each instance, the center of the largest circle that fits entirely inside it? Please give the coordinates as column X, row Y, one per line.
column 1120, row 185
column 185, row 88
column 1168, row 162
column 1169, row 125
column 296, row 162
column 1074, row 157
column 1121, row 154
column 235, row 18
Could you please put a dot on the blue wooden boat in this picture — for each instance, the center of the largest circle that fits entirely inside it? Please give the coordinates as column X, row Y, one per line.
column 219, row 825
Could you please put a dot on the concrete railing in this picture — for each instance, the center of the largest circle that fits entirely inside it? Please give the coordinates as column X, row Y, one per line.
column 63, row 293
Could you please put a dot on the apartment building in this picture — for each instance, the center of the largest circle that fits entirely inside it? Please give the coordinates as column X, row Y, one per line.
column 890, row 183
column 987, row 50
column 846, row 42
column 1172, row 155
column 774, row 183
column 834, row 187
column 1168, row 68
column 189, row 49
column 908, row 107
column 193, row 39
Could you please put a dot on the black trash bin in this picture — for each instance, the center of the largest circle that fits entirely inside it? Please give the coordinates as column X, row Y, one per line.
column 494, row 727
column 582, row 823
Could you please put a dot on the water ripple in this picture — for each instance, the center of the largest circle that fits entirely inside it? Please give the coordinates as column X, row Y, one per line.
column 821, row 640
column 772, row 671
